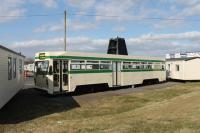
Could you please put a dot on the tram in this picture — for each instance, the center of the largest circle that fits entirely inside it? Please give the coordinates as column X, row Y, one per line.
column 62, row 72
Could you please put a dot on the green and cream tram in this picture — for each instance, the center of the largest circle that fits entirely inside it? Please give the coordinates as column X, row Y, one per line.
column 58, row 72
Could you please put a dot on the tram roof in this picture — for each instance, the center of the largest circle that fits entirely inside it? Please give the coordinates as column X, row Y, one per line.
column 77, row 55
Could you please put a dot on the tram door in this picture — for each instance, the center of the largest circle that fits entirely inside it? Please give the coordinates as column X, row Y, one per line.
column 60, row 75
column 116, row 67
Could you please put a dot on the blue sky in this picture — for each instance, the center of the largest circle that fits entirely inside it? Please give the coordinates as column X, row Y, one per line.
column 92, row 33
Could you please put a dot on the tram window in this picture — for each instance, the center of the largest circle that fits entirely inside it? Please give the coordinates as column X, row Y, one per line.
column 163, row 67
column 169, row 68
column 95, row 66
column 42, row 67
column 92, row 66
column 77, row 61
column 143, row 65
column 92, row 62
column 75, row 66
column 65, row 79
column 136, row 65
column 65, row 66
column 83, row 67
column 56, row 67
column 89, row 66
column 55, row 80
column 127, row 65
column 157, row 66
column 149, row 66
column 105, row 62
column 105, row 66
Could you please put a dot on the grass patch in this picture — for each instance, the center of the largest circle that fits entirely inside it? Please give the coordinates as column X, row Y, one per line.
column 148, row 111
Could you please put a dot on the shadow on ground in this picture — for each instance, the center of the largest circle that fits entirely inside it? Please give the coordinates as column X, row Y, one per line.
column 30, row 104
column 86, row 89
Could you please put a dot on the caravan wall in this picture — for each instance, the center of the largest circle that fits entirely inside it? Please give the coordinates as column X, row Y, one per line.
column 11, row 74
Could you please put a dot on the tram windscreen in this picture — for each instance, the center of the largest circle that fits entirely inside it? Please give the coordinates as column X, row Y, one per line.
column 41, row 67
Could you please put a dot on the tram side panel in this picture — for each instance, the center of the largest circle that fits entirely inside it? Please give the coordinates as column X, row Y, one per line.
column 132, row 78
column 89, row 79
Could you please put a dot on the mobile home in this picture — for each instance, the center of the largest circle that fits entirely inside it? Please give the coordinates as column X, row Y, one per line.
column 11, row 74
column 183, row 68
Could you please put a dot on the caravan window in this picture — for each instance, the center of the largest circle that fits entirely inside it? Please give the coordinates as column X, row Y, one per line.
column 177, row 68
column 14, row 67
column 20, row 66
column 9, row 68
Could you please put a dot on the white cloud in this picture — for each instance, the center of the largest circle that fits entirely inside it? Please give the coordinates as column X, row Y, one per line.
column 149, row 44
column 49, row 28
column 49, row 3
column 77, row 25
column 71, row 25
column 17, row 8
column 183, row 8
column 119, row 29
column 44, row 3
column 115, row 8
column 11, row 8
column 38, row 43
column 192, row 36
column 81, row 4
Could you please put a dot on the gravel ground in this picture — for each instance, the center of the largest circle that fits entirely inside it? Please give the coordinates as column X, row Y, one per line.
column 85, row 97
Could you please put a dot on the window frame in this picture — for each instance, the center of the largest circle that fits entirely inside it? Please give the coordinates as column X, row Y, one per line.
column 20, row 66
column 79, row 65
column 14, row 68
column 177, row 67
column 9, row 68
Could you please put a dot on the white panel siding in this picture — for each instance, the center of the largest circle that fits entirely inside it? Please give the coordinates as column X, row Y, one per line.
column 192, row 69
column 189, row 70
column 8, row 88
